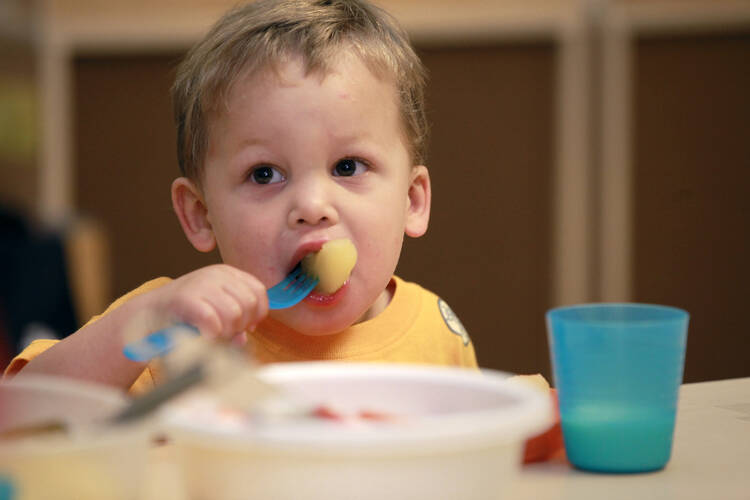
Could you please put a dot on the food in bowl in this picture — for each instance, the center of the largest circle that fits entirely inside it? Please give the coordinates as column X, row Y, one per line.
column 447, row 433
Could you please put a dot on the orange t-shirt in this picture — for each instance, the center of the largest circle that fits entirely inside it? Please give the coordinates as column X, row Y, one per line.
column 416, row 327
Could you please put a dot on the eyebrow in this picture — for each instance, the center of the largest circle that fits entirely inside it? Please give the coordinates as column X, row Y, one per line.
column 252, row 141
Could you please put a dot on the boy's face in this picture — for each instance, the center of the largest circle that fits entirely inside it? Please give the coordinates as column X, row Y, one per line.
column 295, row 160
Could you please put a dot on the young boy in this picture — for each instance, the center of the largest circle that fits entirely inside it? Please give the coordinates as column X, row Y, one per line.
column 299, row 122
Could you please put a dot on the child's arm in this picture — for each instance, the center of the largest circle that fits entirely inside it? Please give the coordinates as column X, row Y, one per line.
column 220, row 300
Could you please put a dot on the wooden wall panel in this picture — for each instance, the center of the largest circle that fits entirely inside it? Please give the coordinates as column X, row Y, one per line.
column 487, row 252
column 692, row 192
column 125, row 162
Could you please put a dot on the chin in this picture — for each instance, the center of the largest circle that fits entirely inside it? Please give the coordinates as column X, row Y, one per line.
column 319, row 321
column 331, row 314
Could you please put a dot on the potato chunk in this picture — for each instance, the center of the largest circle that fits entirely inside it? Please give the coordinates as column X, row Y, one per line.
column 332, row 264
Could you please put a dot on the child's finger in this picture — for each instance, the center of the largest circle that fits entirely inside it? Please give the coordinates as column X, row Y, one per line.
column 256, row 287
column 204, row 316
column 220, row 301
column 228, row 310
column 249, row 293
column 240, row 339
column 246, row 300
column 260, row 304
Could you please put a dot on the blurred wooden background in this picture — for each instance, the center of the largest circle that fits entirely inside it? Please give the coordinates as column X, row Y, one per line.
column 581, row 151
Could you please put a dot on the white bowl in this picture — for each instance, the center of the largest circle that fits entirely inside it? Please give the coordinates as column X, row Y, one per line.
column 103, row 464
column 455, row 434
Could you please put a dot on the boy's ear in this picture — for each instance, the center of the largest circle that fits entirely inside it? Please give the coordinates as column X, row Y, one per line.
column 191, row 210
column 418, row 204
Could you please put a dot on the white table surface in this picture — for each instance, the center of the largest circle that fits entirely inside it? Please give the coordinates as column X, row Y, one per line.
column 710, row 458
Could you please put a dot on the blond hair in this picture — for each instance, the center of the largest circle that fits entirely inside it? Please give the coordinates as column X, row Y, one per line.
column 262, row 34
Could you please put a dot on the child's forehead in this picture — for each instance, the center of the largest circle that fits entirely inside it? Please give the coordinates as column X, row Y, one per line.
column 287, row 71
column 259, row 83
column 290, row 67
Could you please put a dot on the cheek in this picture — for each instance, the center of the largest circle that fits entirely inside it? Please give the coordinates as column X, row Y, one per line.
column 383, row 235
column 386, row 219
column 240, row 240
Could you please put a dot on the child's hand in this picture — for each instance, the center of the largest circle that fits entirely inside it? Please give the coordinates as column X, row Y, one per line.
column 220, row 300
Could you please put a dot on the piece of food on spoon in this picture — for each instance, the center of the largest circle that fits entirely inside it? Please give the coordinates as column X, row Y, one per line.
column 332, row 264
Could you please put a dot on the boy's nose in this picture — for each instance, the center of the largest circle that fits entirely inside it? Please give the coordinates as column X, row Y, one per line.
column 312, row 206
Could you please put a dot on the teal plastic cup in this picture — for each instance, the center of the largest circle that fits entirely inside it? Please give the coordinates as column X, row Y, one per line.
column 617, row 369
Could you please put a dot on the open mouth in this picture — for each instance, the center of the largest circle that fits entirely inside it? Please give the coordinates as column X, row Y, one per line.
column 318, row 298
column 299, row 255
column 332, row 262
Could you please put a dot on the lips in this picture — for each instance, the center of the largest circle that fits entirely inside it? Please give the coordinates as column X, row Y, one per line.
column 324, row 299
column 304, row 249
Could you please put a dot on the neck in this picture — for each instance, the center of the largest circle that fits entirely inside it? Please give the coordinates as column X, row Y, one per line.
column 380, row 303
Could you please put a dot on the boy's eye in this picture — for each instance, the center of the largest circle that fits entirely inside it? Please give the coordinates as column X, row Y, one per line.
column 266, row 175
column 348, row 167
